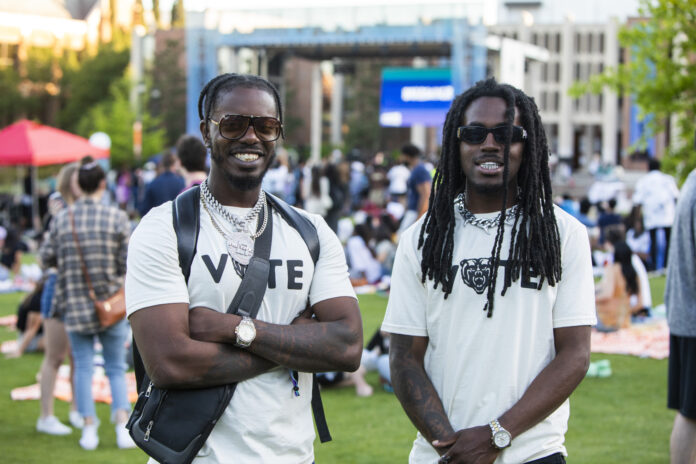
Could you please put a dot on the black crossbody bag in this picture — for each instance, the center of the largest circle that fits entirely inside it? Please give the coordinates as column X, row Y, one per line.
column 172, row 425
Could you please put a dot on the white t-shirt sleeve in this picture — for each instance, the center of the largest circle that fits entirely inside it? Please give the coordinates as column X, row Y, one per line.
column 331, row 271
column 575, row 304
column 406, row 308
column 153, row 275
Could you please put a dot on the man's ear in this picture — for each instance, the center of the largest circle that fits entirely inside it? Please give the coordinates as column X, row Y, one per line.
column 204, row 133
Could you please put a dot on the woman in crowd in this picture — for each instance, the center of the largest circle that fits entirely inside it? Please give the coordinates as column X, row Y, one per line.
column 57, row 346
column 102, row 233
column 618, row 294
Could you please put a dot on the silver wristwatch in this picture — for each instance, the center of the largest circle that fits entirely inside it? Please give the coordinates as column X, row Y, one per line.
column 500, row 438
column 245, row 332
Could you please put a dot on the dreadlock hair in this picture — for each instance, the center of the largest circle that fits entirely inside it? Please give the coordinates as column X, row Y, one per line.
column 535, row 243
column 225, row 82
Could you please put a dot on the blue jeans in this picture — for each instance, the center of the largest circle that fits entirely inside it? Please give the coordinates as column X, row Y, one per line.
column 113, row 340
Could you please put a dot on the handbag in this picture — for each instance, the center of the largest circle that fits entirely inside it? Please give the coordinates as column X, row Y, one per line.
column 111, row 310
column 172, row 425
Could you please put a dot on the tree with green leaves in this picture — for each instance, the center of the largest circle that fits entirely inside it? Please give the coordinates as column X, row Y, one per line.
column 660, row 76
column 115, row 116
column 168, row 96
column 88, row 83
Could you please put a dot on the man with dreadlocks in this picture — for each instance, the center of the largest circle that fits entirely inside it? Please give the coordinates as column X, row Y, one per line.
column 492, row 294
column 182, row 331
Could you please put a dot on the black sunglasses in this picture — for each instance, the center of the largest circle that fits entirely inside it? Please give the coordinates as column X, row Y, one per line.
column 234, row 126
column 475, row 135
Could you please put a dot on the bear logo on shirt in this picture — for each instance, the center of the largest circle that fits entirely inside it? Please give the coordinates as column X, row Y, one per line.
column 476, row 273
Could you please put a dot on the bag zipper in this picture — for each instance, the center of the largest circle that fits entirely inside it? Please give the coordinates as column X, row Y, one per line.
column 150, row 424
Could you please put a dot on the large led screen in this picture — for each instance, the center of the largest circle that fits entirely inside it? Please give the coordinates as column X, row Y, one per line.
column 415, row 96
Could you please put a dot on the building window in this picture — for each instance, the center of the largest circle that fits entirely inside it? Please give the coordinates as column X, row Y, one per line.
column 543, row 101
column 577, row 71
column 556, row 101
column 578, row 43
column 590, row 42
column 600, row 102
column 546, row 41
column 534, row 38
column 558, row 42
column 601, row 43
column 557, row 72
column 544, row 72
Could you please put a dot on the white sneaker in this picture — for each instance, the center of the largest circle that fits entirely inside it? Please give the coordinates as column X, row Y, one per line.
column 123, row 439
column 90, row 439
column 52, row 426
column 76, row 420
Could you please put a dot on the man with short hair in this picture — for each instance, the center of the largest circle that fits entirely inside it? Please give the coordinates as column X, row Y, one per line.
column 417, row 187
column 192, row 156
column 656, row 194
column 165, row 187
column 182, row 331
column 492, row 294
column 680, row 301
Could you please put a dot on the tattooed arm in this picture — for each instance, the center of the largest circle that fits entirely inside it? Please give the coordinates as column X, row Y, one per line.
column 414, row 389
column 175, row 360
column 331, row 342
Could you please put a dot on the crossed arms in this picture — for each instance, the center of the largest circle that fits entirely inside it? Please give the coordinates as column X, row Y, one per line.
column 420, row 400
column 184, row 348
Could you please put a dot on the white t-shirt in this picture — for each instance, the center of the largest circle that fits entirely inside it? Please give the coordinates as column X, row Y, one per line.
column 482, row 366
column 639, row 244
column 657, row 193
column 642, row 275
column 362, row 263
column 264, row 421
column 398, row 177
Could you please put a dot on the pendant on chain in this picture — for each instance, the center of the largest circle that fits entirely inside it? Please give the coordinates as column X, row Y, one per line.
column 240, row 246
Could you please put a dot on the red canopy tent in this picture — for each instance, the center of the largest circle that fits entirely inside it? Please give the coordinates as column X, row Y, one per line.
column 30, row 144
column 27, row 143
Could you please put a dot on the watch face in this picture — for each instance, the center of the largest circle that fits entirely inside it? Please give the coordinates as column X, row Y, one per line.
column 501, row 439
column 246, row 332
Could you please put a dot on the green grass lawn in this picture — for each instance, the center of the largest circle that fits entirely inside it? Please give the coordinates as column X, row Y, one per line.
column 622, row 418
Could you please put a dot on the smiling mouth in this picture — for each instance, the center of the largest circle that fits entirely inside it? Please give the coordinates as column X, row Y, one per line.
column 489, row 166
column 247, row 157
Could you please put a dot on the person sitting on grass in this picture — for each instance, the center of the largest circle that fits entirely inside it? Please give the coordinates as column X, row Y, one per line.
column 615, row 291
column 30, row 333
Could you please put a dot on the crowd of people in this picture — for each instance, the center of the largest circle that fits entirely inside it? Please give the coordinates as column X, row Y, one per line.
column 483, row 230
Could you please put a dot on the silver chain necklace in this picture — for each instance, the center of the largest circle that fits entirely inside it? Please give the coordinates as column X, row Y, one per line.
column 239, row 223
column 240, row 243
column 484, row 224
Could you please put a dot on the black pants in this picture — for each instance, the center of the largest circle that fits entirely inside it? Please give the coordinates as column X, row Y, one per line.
column 556, row 458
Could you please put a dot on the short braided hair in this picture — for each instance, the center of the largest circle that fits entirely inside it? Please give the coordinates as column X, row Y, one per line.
column 535, row 242
column 229, row 81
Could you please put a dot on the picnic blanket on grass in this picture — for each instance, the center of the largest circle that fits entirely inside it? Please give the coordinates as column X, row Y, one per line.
column 100, row 387
column 647, row 340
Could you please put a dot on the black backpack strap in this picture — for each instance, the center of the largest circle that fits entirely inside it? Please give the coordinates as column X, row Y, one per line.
column 318, row 411
column 309, row 234
column 186, row 221
column 303, row 225
column 186, row 218
column 247, row 300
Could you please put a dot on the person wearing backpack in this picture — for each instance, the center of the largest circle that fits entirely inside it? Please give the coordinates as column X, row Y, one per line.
column 308, row 320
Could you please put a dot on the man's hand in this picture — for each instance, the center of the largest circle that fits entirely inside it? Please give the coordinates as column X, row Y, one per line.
column 305, row 317
column 205, row 323
column 468, row 446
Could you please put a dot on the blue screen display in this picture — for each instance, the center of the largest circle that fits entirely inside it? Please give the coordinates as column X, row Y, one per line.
column 415, row 96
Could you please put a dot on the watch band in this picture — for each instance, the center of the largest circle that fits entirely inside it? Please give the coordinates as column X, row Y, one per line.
column 246, row 324
column 500, row 438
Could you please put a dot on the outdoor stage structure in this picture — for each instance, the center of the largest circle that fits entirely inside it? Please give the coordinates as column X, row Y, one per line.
column 462, row 46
